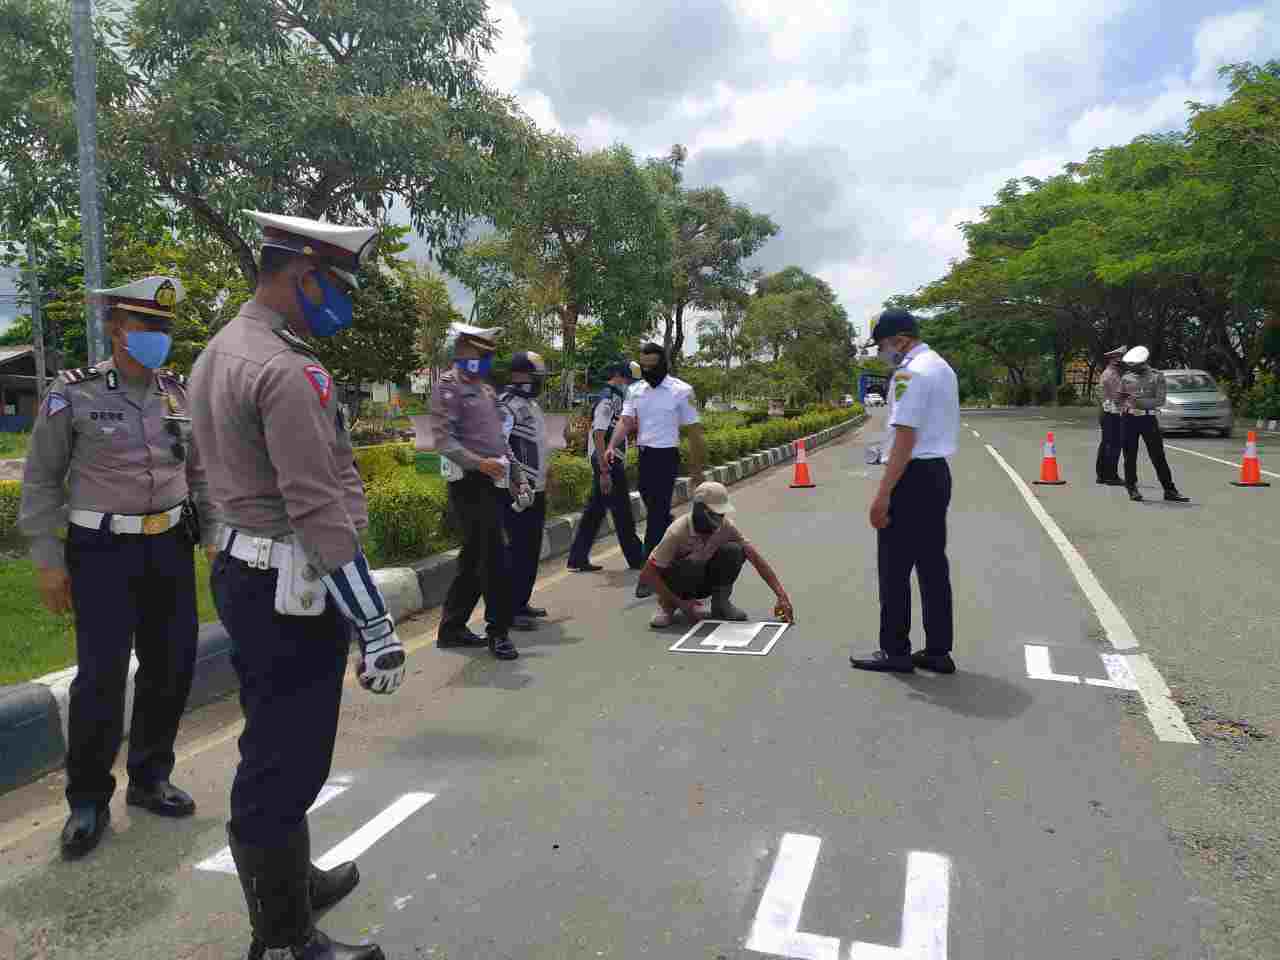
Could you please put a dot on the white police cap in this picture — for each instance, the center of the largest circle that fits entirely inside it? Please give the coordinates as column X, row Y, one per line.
column 483, row 337
column 343, row 249
column 1137, row 355
column 153, row 296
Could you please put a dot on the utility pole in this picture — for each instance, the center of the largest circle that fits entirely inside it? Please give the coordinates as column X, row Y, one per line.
column 86, row 84
column 37, row 324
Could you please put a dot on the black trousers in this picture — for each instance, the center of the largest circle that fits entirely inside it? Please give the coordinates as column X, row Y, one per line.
column 1110, row 446
column 1148, row 428
column 617, row 502
column 290, row 671
column 478, row 508
column 658, row 469
column 524, row 548
column 916, row 538
column 692, row 580
column 128, row 591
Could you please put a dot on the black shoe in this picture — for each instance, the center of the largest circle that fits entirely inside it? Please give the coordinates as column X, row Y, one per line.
column 881, row 662
column 643, row 590
column 1112, row 482
column 636, row 566
column 587, row 567
column 502, row 648
column 1134, row 495
column 161, row 798
column 533, row 612
column 83, row 830
column 329, row 886
column 937, row 662
column 276, row 882
column 1173, row 496
column 523, row 623
column 461, row 637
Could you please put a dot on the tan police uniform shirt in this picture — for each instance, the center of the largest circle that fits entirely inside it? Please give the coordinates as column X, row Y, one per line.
column 279, row 456
column 683, row 542
column 102, row 443
column 1143, row 392
column 466, row 422
column 1110, row 384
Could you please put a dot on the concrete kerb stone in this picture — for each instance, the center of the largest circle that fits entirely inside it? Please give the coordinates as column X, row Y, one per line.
column 33, row 716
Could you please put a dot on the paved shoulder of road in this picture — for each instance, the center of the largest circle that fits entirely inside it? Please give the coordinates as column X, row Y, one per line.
column 603, row 796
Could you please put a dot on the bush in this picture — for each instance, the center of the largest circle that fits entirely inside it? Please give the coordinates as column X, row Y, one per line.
column 408, row 516
column 1066, row 395
column 10, row 495
column 568, row 483
column 1263, row 398
column 377, row 462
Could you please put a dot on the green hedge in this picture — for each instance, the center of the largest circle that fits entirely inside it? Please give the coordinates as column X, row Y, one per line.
column 382, row 460
column 10, row 494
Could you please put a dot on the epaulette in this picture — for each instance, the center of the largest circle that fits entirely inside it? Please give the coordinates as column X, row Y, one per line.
column 81, row 374
column 296, row 342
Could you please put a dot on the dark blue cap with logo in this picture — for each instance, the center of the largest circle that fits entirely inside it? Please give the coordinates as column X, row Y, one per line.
column 892, row 323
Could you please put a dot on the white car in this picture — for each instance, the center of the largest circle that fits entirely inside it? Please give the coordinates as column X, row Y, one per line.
column 874, row 400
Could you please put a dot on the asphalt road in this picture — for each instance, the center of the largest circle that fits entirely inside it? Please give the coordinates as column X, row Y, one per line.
column 604, row 797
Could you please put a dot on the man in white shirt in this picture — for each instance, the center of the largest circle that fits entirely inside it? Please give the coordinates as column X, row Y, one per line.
column 909, row 512
column 655, row 411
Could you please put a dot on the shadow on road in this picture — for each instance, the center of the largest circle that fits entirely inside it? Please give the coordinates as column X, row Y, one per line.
column 969, row 694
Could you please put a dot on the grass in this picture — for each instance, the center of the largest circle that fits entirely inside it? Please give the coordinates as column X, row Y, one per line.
column 13, row 445
column 34, row 641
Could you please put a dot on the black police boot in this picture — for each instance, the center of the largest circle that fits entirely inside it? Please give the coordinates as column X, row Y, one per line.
column 1134, row 495
column 461, row 637
column 327, row 887
column 161, row 798
column 722, row 607
column 276, row 882
column 881, row 662
column 83, row 830
column 643, row 591
column 1173, row 496
column 501, row 647
column 533, row 612
column 587, row 567
column 937, row 662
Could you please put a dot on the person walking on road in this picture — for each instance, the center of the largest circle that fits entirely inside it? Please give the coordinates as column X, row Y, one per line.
column 477, row 462
column 609, row 490
column 701, row 555
column 655, row 411
column 909, row 512
column 290, row 581
column 113, row 443
column 1111, row 420
column 1142, row 394
column 525, row 429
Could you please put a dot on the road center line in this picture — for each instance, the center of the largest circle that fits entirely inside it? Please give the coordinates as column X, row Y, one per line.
column 1166, row 719
column 375, row 829
column 1197, row 453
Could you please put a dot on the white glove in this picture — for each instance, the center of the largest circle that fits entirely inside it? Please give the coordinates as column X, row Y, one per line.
column 522, row 500
column 381, row 667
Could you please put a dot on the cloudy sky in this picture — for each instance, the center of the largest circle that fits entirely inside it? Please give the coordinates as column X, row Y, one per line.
column 869, row 130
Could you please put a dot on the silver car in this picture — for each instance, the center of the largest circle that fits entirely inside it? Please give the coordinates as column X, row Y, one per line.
column 1194, row 403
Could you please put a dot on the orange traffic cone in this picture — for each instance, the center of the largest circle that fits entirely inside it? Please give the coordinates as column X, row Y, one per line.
column 1250, row 468
column 802, row 478
column 1049, row 465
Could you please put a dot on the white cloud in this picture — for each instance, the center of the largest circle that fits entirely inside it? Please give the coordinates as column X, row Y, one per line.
column 910, row 113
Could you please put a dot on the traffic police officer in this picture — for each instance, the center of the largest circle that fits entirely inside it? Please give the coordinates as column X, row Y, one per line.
column 1142, row 394
column 476, row 460
column 525, row 429
column 909, row 512
column 113, row 443
column 1111, row 420
column 609, row 489
column 291, row 582
column 655, row 410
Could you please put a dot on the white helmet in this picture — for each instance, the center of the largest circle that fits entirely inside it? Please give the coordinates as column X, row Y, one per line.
column 1136, row 357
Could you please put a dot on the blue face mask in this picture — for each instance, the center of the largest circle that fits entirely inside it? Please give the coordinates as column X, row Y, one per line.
column 475, row 366
column 332, row 314
column 149, row 347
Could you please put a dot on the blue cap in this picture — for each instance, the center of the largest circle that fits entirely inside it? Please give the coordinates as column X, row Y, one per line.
column 620, row 369
column 893, row 322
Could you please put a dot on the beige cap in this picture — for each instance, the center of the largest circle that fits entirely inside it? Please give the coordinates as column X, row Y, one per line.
column 714, row 496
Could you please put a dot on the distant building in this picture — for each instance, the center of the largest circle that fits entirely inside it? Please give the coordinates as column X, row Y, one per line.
column 19, row 399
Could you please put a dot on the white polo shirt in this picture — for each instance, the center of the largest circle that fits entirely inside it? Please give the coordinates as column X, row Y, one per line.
column 926, row 397
column 661, row 411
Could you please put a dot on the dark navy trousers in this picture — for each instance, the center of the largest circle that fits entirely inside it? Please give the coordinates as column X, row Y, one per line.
column 617, row 502
column 524, row 548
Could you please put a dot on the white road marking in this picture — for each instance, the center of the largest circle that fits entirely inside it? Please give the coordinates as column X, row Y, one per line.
column 925, row 910
column 1040, row 668
column 776, row 927
column 1205, row 456
column 1166, row 719
column 375, row 829
column 1119, row 674
column 222, row 862
column 977, row 434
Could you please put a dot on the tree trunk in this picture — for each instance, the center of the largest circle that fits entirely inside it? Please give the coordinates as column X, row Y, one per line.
column 676, row 351
column 569, row 342
column 668, row 328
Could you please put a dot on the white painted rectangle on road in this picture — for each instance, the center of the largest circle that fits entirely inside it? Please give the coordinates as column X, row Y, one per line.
column 375, row 829
column 925, row 909
column 776, row 927
column 723, row 636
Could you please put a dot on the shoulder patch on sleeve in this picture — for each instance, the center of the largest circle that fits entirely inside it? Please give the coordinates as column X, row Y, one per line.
column 320, row 381
column 54, row 404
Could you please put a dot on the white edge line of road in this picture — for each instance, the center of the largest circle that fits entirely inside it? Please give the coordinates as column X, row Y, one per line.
column 1197, row 453
column 1166, row 718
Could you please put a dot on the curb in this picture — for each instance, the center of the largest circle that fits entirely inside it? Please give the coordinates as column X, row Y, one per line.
column 33, row 715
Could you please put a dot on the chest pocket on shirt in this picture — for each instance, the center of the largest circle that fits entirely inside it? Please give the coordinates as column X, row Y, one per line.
column 109, row 438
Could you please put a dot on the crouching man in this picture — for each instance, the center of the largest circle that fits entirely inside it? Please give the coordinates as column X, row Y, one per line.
column 701, row 556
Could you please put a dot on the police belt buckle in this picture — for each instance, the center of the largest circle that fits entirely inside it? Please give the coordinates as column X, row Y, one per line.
column 154, row 523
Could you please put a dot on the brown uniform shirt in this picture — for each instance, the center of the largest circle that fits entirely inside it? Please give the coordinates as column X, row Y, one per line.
column 102, row 443
column 1110, row 384
column 280, row 461
column 466, row 422
column 683, row 542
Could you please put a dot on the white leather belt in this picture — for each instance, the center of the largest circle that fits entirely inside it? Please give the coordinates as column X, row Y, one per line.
column 261, row 553
column 149, row 523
